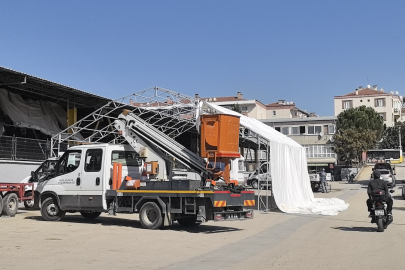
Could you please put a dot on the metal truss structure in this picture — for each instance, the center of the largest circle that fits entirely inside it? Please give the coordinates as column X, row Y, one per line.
column 168, row 111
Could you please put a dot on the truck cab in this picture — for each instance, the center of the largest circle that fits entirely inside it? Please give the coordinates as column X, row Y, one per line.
column 83, row 173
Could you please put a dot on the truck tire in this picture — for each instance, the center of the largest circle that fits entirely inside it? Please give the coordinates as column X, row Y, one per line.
column 10, row 204
column 50, row 210
column 150, row 216
column 29, row 204
column 188, row 221
column 90, row 215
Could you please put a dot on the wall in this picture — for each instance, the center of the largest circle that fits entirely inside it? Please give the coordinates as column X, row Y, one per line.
column 280, row 113
column 15, row 172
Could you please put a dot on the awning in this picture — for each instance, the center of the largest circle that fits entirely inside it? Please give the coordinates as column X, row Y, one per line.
column 318, row 164
column 312, row 161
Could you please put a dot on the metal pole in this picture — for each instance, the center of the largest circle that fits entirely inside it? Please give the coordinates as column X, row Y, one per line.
column 400, row 145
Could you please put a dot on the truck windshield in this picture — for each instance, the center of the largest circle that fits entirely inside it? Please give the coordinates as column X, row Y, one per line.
column 46, row 168
column 126, row 158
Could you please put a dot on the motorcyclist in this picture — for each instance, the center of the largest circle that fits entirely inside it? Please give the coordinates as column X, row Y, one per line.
column 378, row 184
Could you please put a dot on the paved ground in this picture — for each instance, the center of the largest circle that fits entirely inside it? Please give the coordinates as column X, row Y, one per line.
column 271, row 241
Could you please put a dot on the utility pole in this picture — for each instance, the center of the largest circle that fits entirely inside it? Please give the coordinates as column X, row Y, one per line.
column 400, row 146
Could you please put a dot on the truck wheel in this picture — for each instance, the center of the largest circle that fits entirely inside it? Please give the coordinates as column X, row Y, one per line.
column 255, row 184
column 90, row 215
column 188, row 221
column 29, row 204
column 50, row 210
column 10, row 204
column 150, row 216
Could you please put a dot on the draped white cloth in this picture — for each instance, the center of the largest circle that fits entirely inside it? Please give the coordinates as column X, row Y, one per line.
column 290, row 180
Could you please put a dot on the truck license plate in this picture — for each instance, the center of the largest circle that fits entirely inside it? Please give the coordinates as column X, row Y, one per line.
column 379, row 212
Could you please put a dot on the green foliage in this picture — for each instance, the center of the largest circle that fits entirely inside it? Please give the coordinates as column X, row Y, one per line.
column 357, row 130
column 390, row 139
column 236, row 108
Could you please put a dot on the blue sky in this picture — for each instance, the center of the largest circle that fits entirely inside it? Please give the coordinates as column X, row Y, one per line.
column 303, row 51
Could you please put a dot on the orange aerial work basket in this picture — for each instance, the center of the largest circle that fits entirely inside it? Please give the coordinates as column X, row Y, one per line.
column 220, row 136
column 220, row 141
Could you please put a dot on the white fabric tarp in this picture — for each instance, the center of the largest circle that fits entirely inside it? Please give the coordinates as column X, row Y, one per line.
column 36, row 114
column 290, row 180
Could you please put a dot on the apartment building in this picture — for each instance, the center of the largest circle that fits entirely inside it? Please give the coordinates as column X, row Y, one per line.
column 255, row 109
column 387, row 104
column 284, row 109
column 313, row 133
column 249, row 107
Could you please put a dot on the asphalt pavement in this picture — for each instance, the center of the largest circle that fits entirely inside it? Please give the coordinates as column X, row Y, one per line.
column 272, row 240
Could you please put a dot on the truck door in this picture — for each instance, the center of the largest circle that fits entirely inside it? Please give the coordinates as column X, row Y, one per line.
column 66, row 182
column 91, row 186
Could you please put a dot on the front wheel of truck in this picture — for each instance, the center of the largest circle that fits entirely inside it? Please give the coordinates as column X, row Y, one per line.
column 50, row 210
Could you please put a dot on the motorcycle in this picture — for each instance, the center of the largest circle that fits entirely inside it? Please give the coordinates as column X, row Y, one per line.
column 379, row 210
column 350, row 178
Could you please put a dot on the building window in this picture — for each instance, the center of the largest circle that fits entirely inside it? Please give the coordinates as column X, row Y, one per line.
column 331, row 129
column 278, row 129
column 314, row 129
column 285, row 130
column 382, row 115
column 302, row 129
column 347, row 104
column 320, row 151
column 295, row 130
column 379, row 102
column 244, row 109
column 274, row 113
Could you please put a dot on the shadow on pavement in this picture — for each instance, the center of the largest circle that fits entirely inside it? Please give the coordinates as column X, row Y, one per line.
column 355, row 229
column 398, row 208
column 114, row 221
column 362, row 182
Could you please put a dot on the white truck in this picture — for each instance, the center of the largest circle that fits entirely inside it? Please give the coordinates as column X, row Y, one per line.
column 84, row 179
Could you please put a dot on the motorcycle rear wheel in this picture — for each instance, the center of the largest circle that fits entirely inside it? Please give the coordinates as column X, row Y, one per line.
column 380, row 224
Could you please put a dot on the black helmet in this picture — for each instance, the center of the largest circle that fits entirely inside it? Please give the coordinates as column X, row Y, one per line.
column 377, row 174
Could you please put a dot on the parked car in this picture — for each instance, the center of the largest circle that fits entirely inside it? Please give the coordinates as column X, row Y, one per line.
column 262, row 174
column 387, row 173
column 388, row 177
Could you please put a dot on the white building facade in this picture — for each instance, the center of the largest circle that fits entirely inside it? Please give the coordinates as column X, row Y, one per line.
column 387, row 104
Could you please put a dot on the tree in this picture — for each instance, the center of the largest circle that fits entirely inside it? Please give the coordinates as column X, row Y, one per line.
column 390, row 138
column 357, row 130
column 235, row 107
